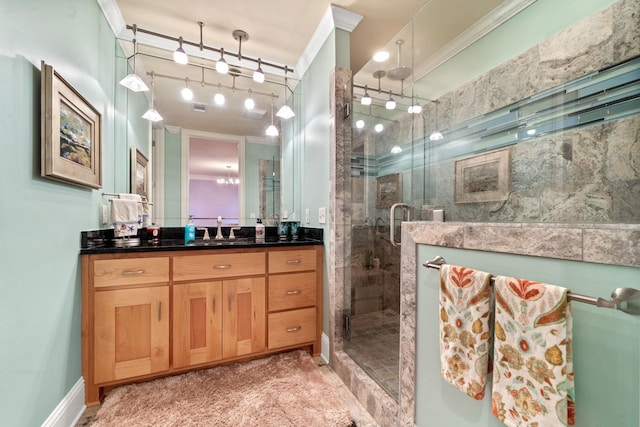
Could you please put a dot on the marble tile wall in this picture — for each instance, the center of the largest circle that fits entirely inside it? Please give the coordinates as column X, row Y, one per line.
column 605, row 38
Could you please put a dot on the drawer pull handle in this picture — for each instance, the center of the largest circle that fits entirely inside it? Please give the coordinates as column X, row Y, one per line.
column 159, row 310
column 214, row 305
column 133, row 272
column 296, row 329
column 222, row 266
column 293, row 261
column 296, row 292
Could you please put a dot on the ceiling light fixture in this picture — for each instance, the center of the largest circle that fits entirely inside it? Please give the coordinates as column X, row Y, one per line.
column 219, row 97
column 391, row 104
column 285, row 111
column 381, row 56
column 366, row 99
column 272, row 130
column 396, row 149
column 258, row 74
column 249, row 103
column 187, row 93
column 360, row 124
column 179, row 55
column 379, row 128
column 152, row 114
column 221, row 66
column 133, row 81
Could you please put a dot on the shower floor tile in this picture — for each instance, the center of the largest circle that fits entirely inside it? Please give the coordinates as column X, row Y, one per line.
column 374, row 344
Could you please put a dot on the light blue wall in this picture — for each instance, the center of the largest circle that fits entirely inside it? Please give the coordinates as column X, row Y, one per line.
column 40, row 308
column 172, row 177
column 606, row 344
column 307, row 143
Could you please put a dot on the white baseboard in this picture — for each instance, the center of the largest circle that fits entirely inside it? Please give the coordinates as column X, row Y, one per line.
column 324, row 348
column 70, row 409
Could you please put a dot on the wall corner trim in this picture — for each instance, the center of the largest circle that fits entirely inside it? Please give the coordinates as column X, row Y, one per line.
column 324, row 348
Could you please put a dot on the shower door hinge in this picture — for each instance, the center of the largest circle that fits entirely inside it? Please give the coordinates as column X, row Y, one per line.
column 346, row 324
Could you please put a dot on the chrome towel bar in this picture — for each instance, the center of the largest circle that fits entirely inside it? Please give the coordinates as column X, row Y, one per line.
column 623, row 299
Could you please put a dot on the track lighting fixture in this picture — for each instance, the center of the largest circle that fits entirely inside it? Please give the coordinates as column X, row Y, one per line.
column 360, row 124
column 391, row 104
column 249, row 103
column 187, row 93
column 272, row 130
column 258, row 74
column 285, row 111
column 219, row 97
column 396, row 149
column 133, row 81
column 221, row 66
column 179, row 55
column 366, row 99
column 152, row 114
column 379, row 128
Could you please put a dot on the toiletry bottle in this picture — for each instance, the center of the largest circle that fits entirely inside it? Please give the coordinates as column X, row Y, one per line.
column 259, row 231
column 190, row 231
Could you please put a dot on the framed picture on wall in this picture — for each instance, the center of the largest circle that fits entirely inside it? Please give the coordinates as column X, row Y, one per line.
column 71, row 133
column 388, row 190
column 139, row 173
column 483, row 178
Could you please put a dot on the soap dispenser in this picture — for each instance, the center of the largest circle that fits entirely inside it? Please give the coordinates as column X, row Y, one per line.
column 259, row 231
column 190, row 231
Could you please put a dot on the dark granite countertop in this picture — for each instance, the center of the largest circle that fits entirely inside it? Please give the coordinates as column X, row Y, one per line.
column 172, row 239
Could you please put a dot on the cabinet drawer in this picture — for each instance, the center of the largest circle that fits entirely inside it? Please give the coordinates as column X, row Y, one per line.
column 218, row 266
column 130, row 271
column 292, row 261
column 292, row 327
column 292, row 291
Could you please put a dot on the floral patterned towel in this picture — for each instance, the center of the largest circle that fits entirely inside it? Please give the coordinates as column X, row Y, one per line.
column 533, row 365
column 465, row 319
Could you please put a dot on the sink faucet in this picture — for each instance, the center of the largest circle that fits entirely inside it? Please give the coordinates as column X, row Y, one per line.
column 219, row 233
column 231, row 235
column 206, row 233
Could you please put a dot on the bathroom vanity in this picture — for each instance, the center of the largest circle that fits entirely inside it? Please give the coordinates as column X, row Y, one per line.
column 165, row 308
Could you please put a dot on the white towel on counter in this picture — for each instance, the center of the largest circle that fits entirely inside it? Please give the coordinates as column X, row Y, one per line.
column 124, row 215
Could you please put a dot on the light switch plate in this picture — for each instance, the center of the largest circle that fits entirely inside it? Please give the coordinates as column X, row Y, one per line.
column 322, row 215
column 307, row 216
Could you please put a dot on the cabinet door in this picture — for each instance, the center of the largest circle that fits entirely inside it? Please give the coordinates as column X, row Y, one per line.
column 131, row 332
column 244, row 317
column 197, row 323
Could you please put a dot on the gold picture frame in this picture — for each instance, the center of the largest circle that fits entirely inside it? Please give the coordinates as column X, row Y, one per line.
column 483, row 178
column 139, row 173
column 71, row 135
column 388, row 190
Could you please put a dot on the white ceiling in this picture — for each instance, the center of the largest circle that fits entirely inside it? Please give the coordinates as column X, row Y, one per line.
column 282, row 32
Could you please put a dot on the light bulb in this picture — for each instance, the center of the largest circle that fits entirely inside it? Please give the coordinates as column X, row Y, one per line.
column 379, row 128
column 396, row 149
column 436, row 136
column 219, row 98
column 365, row 100
column 179, row 55
column 390, row 105
column 187, row 94
column 272, row 131
column 381, row 56
column 360, row 124
column 249, row 104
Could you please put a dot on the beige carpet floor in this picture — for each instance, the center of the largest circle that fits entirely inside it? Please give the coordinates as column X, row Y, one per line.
column 282, row 390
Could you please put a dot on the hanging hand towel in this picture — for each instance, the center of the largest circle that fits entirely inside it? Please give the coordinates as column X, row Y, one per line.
column 142, row 206
column 533, row 364
column 124, row 215
column 465, row 319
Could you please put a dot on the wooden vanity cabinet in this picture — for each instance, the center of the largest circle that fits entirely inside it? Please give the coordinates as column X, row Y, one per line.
column 149, row 314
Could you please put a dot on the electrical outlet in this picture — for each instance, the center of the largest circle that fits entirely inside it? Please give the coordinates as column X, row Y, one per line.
column 322, row 215
column 307, row 216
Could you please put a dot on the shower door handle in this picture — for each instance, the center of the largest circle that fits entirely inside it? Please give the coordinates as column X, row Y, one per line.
column 392, row 220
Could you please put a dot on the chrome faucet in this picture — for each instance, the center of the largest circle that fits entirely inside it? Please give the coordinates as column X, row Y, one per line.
column 206, row 233
column 231, row 235
column 219, row 233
